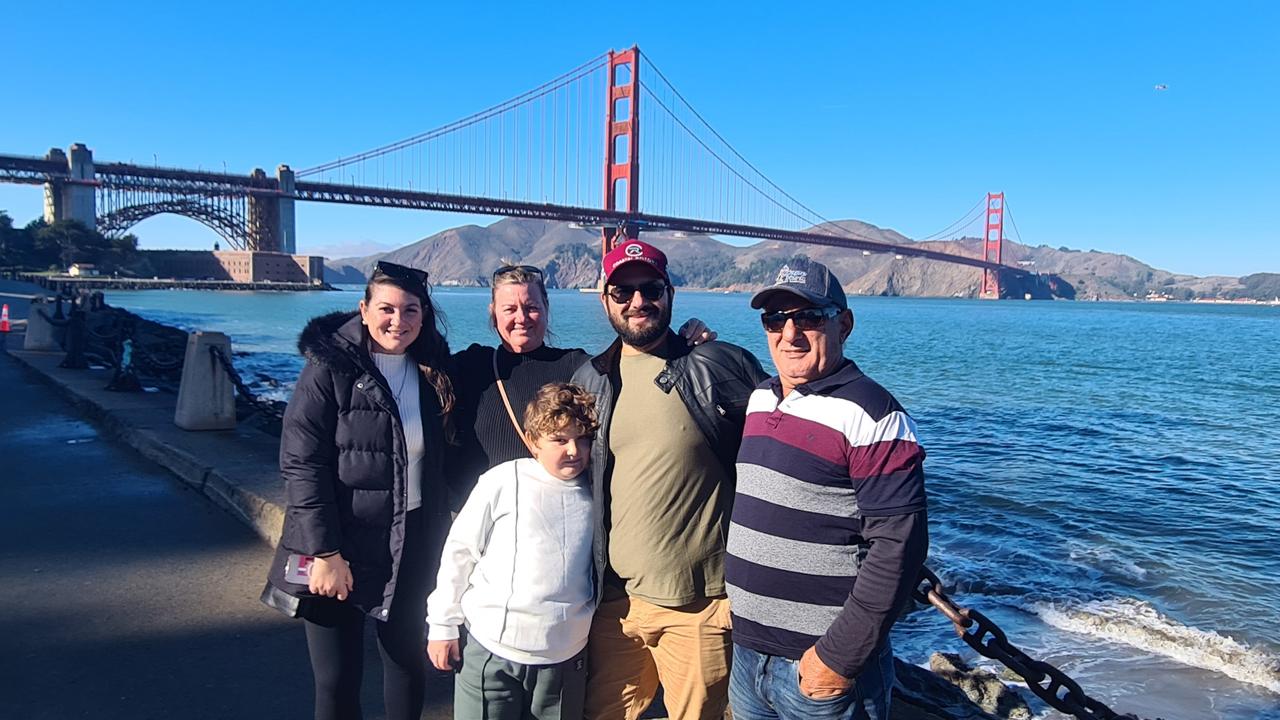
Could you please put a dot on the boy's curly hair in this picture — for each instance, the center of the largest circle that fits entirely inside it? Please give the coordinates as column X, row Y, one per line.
column 559, row 406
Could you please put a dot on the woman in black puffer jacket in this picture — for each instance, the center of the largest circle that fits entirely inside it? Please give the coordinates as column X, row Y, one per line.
column 367, row 511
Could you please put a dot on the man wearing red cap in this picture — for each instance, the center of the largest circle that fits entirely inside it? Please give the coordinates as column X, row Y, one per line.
column 662, row 472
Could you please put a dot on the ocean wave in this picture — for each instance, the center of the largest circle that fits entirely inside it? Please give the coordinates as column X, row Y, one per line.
column 1138, row 624
column 1105, row 559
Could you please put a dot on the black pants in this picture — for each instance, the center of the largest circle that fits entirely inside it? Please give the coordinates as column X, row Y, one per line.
column 335, row 640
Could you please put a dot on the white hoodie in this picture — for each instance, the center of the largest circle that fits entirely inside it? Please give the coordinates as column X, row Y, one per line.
column 517, row 566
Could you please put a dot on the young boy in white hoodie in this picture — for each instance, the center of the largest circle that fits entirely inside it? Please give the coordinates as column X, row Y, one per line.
column 517, row 571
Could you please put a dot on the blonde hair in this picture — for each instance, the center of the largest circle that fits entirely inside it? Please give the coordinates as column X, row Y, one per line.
column 557, row 407
column 517, row 275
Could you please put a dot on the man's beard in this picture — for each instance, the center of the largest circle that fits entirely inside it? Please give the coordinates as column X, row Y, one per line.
column 643, row 337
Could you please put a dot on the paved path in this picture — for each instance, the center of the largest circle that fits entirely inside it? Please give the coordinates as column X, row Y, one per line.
column 125, row 594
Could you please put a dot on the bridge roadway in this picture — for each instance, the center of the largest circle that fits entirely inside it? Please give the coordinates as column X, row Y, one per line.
column 127, row 595
column 32, row 170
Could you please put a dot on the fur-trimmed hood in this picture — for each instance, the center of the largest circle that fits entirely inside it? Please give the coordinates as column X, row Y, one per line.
column 334, row 340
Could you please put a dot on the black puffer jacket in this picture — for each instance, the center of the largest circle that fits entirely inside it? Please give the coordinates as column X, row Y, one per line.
column 343, row 460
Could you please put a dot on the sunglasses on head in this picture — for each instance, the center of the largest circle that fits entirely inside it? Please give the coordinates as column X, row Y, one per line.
column 530, row 269
column 805, row 319
column 622, row 294
column 402, row 272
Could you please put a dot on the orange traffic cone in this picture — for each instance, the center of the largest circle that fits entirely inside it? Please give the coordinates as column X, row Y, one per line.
column 4, row 319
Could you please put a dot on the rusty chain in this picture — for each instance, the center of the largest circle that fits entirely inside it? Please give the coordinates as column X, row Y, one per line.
column 980, row 633
column 221, row 359
column 113, row 333
column 155, row 360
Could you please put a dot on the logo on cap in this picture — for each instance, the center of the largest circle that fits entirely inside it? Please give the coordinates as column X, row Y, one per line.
column 634, row 250
column 787, row 276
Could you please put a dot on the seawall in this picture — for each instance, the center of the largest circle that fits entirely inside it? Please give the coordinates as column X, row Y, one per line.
column 66, row 284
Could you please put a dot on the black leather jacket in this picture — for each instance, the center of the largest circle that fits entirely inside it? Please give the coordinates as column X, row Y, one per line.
column 714, row 380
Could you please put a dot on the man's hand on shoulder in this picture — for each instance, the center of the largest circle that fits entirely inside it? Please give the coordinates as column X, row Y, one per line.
column 817, row 681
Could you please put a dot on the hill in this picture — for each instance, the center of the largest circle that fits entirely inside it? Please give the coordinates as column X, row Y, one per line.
column 467, row 255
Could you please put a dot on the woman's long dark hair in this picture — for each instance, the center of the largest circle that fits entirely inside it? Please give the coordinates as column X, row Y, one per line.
column 430, row 350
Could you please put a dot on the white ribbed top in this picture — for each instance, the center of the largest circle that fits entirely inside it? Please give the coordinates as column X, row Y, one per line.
column 402, row 377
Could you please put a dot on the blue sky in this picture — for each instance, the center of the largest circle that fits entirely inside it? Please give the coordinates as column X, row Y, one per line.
column 899, row 114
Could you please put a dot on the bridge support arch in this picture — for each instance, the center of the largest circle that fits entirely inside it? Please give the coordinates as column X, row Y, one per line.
column 112, row 197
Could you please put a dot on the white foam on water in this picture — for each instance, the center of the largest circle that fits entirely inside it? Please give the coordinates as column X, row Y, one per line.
column 1138, row 624
column 1106, row 558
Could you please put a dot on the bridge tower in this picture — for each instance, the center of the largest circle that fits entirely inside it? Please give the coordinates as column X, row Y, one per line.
column 272, row 221
column 622, row 142
column 993, row 245
column 288, row 235
column 75, row 197
column 264, row 215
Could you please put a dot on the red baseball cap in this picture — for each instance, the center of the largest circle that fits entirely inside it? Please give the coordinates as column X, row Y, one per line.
column 630, row 251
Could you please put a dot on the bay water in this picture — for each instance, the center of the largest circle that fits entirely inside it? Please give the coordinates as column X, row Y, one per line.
column 1102, row 476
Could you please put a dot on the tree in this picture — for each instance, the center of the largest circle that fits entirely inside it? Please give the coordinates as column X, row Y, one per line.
column 123, row 252
column 15, row 244
column 7, row 236
column 43, row 250
column 75, row 242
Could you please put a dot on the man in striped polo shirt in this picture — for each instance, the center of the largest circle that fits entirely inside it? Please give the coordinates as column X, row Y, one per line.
column 829, row 527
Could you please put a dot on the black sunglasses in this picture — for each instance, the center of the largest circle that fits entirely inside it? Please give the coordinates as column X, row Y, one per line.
column 402, row 272
column 622, row 294
column 530, row 269
column 806, row 319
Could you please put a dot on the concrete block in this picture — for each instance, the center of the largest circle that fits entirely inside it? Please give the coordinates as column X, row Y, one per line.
column 206, row 397
column 40, row 332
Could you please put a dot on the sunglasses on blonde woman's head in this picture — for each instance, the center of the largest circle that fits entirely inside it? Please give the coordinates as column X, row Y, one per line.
column 650, row 291
column 805, row 319
column 401, row 272
column 529, row 269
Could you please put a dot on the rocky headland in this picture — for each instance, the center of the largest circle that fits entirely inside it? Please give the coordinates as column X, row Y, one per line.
column 465, row 256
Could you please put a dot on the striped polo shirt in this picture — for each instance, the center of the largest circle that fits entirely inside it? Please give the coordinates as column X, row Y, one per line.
column 811, row 468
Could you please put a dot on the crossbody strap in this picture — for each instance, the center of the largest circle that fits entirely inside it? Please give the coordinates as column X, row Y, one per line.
column 502, row 390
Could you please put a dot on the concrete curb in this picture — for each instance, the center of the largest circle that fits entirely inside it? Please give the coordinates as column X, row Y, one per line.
column 222, row 486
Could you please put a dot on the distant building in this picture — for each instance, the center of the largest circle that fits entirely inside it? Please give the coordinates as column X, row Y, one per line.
column 83, row 270
column 236, row 266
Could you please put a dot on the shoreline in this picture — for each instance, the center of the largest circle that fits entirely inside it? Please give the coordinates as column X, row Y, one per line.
column 59, row 284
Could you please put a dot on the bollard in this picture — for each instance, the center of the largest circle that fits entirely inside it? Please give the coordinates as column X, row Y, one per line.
column 40, row 332
column 206, row 397
column 76, row 341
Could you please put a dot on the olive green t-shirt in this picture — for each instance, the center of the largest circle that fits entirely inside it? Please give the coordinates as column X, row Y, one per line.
column 668, row 494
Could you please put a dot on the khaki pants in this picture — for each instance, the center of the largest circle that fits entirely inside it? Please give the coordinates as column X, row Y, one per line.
column 635, row 645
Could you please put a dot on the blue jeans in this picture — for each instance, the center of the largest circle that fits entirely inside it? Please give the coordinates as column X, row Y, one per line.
column 767, row 687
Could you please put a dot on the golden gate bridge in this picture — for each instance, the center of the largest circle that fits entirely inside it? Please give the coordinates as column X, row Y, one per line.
column 568, row 150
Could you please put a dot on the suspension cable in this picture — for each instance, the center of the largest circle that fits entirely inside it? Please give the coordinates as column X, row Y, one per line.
column 570, row 77
column 1013, row 222
column 962, row 222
